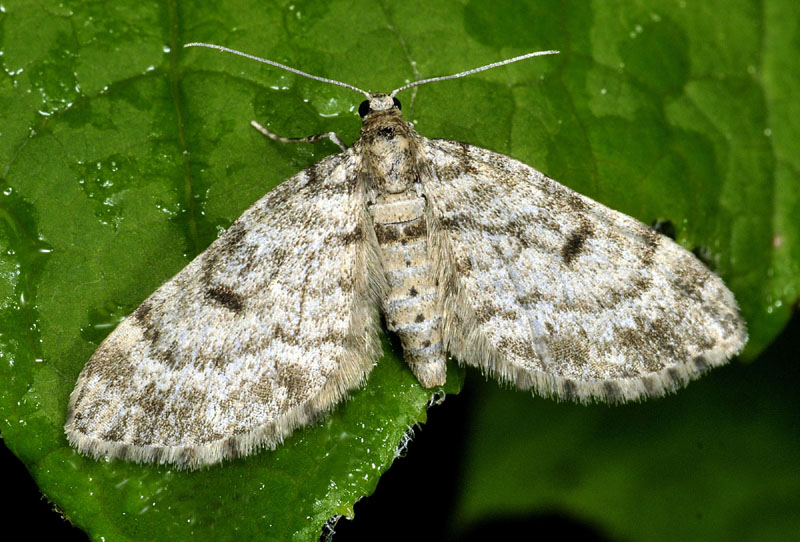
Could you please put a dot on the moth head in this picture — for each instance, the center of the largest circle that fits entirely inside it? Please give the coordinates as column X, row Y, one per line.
column 378, row 102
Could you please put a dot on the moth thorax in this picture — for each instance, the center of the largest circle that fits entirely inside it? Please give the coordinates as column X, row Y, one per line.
column 393, row 159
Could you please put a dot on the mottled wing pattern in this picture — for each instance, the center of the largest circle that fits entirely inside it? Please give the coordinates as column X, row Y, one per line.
column 549, row 290
column 262, row 332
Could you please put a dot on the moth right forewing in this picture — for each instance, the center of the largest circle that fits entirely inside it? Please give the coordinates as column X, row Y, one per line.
column 549, row 290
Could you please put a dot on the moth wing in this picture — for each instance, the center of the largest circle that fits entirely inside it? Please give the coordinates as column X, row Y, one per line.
column 547, row 289
column 266, row 329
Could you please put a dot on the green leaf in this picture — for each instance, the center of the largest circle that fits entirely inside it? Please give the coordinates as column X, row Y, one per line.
column 124, row 155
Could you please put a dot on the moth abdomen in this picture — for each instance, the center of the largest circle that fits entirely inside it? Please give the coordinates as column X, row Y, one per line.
column 411, row 305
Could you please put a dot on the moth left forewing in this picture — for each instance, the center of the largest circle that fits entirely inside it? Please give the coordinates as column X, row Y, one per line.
column 550, row 290
column 260, row 334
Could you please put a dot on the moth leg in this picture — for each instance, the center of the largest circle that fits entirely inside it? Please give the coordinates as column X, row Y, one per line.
column 310, row 139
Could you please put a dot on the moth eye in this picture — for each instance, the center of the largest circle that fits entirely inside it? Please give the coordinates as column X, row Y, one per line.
column 397, row 104
column 363, row 109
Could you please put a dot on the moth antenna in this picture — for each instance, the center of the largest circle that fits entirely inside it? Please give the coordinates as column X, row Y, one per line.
column 473, row 70
column 279, row 65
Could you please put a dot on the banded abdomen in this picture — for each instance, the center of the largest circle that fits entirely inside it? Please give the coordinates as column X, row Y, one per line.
column 411, row 305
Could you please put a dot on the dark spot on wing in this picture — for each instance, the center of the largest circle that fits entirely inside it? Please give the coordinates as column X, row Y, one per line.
column 651, row 386
column 639, row 285
column 226, row 297
column 142, row 311
column 229, row 445
column 296, row 382
column 574, row 202
column 419, row 318
column 152, row 334
column 675, row 378
column 152, row 402
column 463, row 265
column 700, row 363
column 690, row 283
column 287, row 336
column 113, row 434
column 569, row 389
column 530, row 298
column 355, row 236
column 312, row 174
column 574, row 245
column 612, row 391
column 187, row 455
column 459, row 222
column 652, row 241
column 263, row 389
column 465, row 161
column 232, row 238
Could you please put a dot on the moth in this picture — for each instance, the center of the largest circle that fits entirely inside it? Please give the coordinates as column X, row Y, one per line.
column 465, row 252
